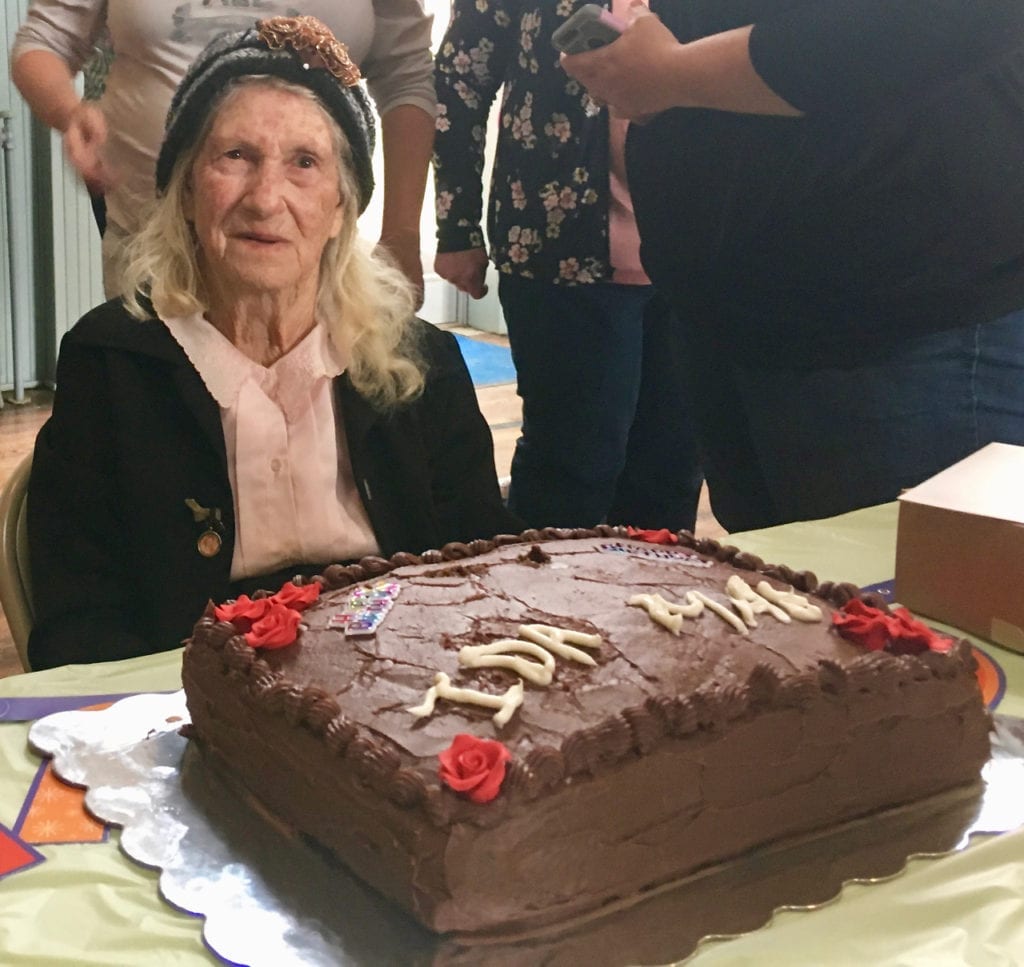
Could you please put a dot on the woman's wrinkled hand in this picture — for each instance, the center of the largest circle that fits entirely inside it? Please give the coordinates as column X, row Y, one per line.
column 84, row 140
column 632, row 75
column 466, row 270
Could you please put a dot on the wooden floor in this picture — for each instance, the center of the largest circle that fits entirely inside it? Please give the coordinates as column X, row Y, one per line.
column 500, row 405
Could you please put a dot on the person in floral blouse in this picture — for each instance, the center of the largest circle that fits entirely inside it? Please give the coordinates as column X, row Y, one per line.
column 606, row 435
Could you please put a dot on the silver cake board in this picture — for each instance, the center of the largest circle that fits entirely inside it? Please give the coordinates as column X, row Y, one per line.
column 270, row 898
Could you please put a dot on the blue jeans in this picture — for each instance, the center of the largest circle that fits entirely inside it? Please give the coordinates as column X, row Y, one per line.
column 606, row 434
column 796, row 443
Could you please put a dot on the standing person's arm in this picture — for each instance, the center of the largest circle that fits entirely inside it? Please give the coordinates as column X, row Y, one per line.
column 49, row 50
column 647, row 71
column 407, row 139
column 398, row 71
column 839, row 56
column 468, row 72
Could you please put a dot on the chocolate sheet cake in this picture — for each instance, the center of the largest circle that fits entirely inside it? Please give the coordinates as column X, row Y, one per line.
column 648, row 710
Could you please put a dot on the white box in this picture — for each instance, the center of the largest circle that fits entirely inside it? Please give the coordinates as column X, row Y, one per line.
column 960, row 546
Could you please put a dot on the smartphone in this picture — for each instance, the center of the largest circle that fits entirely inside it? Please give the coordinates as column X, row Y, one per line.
column 588, row 28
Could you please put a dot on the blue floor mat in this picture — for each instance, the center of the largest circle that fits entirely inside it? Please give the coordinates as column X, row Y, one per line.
column 488, row 364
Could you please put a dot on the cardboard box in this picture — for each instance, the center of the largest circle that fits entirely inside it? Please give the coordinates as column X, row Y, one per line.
column 960, row 546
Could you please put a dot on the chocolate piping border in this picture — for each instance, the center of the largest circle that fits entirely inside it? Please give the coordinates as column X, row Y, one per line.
column 637, row 730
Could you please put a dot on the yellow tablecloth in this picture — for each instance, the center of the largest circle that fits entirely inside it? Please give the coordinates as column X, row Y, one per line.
column 87, row 904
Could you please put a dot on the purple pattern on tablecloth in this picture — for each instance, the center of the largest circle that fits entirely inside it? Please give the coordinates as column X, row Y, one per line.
column 30, row 708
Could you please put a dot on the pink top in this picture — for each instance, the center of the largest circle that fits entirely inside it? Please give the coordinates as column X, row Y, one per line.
column 286, row 450
column 623, row 237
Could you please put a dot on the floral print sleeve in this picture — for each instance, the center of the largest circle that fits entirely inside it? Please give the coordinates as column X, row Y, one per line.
column 469, row 69
column 548, row 213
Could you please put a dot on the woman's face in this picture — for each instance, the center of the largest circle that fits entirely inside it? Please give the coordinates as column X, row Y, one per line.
column 263, row 196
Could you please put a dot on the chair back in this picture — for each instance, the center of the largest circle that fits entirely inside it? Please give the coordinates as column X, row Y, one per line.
column 15, row 572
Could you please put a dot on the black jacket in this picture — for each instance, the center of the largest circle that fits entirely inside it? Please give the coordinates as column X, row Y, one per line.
column 893, row 207
column 134, row 433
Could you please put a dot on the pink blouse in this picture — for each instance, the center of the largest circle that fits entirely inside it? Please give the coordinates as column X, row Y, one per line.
column 623, row 237
column 286, row 448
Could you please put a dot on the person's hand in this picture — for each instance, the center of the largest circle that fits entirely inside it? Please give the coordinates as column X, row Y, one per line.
column 84, row 140
column 466, row 270
column 404, row 251
column 631, row 76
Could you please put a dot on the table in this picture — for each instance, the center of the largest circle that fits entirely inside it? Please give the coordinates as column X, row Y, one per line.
column 87, row 904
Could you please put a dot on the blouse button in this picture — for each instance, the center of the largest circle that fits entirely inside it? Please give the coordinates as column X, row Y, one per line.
column 276, row 464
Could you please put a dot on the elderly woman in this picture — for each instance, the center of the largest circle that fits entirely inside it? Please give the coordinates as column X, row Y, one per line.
column 261, row 402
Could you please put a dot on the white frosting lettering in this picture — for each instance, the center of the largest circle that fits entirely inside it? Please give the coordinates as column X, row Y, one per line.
column 542, row 642
column 669, row 614
column 749, row 602
column 506, row 703
column 559, row 641
column 721, row 610
column 496, row 655
column 792, row 603
column 781, row 605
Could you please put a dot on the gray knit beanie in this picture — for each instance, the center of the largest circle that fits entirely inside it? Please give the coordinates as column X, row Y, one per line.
column 299, row 49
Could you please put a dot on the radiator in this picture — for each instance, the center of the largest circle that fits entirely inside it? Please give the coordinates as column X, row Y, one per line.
column 77, row 256
column 14, row 244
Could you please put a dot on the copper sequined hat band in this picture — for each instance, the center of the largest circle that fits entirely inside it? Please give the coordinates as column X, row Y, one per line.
column 313, row 42
column 301, row 50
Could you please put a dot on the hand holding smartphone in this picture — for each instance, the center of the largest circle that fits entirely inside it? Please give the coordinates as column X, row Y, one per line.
column 588, row 28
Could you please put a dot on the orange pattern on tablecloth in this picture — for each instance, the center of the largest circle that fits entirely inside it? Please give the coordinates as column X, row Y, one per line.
column 991, row 678
column 55, row 811
column 57, row 814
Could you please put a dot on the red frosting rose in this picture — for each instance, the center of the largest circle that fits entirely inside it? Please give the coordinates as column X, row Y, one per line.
column 271, row 622
column 897, row 631
column 474, row 766
column 663, row 536
column 299, row 598
column 278, row 627
column 243, row 612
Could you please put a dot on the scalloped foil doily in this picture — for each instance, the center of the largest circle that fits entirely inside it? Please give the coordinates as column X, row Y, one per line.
column 270, row 898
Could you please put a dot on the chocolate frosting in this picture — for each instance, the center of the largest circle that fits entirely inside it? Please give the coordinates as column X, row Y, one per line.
column 789, row 695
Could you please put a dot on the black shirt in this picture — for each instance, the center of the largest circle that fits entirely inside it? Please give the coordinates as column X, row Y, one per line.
column 894, row 206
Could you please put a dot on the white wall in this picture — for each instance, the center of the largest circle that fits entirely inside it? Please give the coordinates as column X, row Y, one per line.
column 442, row 303
column 16, row 276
